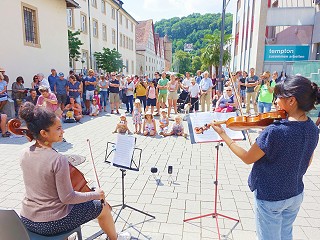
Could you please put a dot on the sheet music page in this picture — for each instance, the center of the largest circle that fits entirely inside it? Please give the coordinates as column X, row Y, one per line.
column 201, row 118
column 124, row 150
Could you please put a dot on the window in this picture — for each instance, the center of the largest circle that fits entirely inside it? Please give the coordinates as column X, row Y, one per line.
column 95, row 29
column 127, row 42
column 120, row 39
column 84, row 60
column 30, row 26
column 83, row 19
column 131, row 26
column 120, row 19
column 103, row 6
column 124, row 41
column 94, row 3
column 132, row 66
column 104, row 32
column 70, row 18
column 127, row 65
column 127, row 23
column 113, row 36
column 113, row 13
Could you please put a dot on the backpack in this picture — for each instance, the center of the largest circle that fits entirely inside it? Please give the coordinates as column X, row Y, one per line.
column 69, row 118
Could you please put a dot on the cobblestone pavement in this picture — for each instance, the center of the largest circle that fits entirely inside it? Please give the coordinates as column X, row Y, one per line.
column 191, row 194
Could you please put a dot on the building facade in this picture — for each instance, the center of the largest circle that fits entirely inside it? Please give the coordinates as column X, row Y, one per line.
column 34, row 37
column 103, row 24
column 154, row 53
column 273, row 35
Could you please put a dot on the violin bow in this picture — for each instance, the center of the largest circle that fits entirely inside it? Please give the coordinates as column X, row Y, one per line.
column 239, row 102
column 94, row 169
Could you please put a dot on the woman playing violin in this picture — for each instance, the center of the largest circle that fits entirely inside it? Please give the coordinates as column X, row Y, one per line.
column 280, row 157
column 51, row 206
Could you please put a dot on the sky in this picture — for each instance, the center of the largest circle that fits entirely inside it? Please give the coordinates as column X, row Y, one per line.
column 165, row 9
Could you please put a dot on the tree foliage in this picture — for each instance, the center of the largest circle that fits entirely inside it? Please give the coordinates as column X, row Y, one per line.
column 109, row 60
column 211, row 53
column 192, row 29
column 182, row 62
column 196, row 64
column 74, row 45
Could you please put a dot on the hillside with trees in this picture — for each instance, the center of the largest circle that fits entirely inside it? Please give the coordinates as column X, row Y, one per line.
column 192, row 29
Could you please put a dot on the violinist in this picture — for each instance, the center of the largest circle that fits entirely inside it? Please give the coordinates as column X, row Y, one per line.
column 281, row 156
column 50, row 205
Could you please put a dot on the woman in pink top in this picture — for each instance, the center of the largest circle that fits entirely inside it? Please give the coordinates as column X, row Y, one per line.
column 47, row 100
column 50, row 205
column 152, row 95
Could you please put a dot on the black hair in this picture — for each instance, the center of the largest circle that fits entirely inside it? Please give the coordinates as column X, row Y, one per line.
column 37, row 118
column 19, row 79
column 301, row 88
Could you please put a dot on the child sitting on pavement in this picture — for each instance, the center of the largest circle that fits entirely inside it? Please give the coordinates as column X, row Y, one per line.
column 149, row 125
column 122, row 126
column 136, row 116
column 94, row 109
column 177, row 128
column 164, row 122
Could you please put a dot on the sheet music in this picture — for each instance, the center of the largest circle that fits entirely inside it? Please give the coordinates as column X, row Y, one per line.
column 202, row 118
column 124, row 150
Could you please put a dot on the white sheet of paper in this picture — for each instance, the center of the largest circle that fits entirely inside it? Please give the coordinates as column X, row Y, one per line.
column 201, row 118
column 124, row 150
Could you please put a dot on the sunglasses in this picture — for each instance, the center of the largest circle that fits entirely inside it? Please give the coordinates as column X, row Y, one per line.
column 113, row 75
column 228, row 90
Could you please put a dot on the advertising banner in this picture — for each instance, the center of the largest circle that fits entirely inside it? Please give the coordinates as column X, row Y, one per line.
column 289, row 53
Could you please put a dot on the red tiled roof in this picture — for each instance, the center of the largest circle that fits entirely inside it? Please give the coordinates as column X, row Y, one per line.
column 142, row 34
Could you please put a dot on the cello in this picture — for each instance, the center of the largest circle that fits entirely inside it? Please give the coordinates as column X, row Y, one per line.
column 78, row 181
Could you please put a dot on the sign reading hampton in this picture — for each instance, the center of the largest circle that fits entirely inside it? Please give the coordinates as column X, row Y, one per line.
column 277, row 53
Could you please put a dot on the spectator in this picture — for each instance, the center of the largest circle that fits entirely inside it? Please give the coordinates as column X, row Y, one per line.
column 152, row 95
column 97, row 97
column 74, row 89
column 242, row 83
column 122, row 88
column 130, row 90
column 75, row 108
column 3, row 71
column 3, row 92
column 156, row 80
column 33, row 98
column 3, row 125
column 186, row 83
column 104, row 86
column 251, row 83
column 90, row 83
column 205, row 91
column 49, row 101
column 173, row 86
column 43, row 81
column 194, row 92
column 114, row 93
column 149, row 125
column 283, row 76
column 177, row 128
column 94, row 108
column 60, row 89
column 198, row 77
column 18, row 93
column 141, row 92
column 53, row 79
column 266, row 88
column 36, row 84
column 227, row 102
column 163, row 90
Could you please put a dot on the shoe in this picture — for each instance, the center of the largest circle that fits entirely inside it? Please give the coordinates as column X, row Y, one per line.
column 118, row 112
column 157, row 115
column 124, row 236
column 111, row 112
column 126, row 112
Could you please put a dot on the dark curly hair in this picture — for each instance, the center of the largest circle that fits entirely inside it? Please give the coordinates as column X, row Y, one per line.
column 37, row 118
column 305, row 91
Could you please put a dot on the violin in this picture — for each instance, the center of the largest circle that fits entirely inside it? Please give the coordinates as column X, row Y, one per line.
column 79, row 183
column 240, row 123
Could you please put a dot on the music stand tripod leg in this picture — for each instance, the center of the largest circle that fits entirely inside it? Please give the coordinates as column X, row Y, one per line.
column 215, row 214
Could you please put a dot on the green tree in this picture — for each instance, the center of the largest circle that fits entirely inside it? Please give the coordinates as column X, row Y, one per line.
column 196, row 64
column 74, row 46
column 211, row 53
column 109, row 60
column 182, row 62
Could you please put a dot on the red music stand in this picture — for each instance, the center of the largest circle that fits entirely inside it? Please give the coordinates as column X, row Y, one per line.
column 215, row 214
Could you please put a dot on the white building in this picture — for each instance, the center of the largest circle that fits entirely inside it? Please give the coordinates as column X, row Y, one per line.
column 34, row 37
column 154, row 53
column 275, row 35
column 103, row 24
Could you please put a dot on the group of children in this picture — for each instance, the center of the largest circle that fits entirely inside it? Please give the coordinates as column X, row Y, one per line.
column 148, row 126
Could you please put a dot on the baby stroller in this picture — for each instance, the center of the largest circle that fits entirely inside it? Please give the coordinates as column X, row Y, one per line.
column 182, row 100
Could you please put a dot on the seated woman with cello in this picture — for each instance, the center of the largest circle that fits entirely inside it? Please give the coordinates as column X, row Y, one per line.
column 51, row 205
column 281, row 156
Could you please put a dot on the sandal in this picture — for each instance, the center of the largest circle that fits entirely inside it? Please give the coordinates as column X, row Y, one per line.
column 6, row 134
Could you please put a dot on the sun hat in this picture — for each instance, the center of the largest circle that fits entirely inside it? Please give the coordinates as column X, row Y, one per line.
column 137, row 100
column 123, row 115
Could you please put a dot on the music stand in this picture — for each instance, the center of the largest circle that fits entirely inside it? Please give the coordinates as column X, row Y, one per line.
column 211, row 137
column 133, row 165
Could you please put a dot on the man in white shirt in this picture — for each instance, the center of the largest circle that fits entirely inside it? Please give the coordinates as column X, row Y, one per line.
column 194, row 91
column 205, row 91
column 43, row 81
column 186, row 83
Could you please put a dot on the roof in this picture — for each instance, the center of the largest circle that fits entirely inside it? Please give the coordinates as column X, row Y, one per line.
column 72, row 4
column 142, row 34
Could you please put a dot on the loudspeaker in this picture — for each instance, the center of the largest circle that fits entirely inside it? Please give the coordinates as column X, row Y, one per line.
column 169, row 169
column 154, row 170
